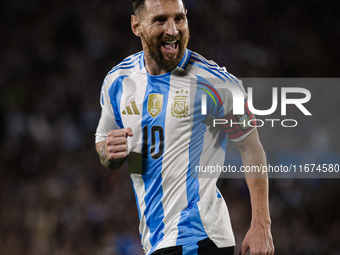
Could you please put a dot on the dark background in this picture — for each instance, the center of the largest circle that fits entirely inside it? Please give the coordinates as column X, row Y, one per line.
column 56, row 198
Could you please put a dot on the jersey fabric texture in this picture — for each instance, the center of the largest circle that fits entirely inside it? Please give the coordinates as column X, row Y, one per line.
column 176, row 205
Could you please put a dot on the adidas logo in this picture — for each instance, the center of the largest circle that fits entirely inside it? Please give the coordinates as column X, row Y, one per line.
column 131, row 109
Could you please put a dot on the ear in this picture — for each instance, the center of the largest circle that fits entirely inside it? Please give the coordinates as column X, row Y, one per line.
column 136, row 26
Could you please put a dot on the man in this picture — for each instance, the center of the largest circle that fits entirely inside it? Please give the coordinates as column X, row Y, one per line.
column 152, row 117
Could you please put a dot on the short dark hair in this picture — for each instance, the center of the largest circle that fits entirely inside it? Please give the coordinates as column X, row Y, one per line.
column 137, row 5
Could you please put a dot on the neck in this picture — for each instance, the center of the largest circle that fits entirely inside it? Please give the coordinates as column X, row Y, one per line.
column 152, row 67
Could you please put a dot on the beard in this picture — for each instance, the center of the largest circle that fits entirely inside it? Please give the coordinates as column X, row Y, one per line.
column 167, row 61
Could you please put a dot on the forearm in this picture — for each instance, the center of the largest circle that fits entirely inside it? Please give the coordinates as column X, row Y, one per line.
column 257, row 185
column 111, row 164
column 258, row 189
column 258, row 239
column 254, row 155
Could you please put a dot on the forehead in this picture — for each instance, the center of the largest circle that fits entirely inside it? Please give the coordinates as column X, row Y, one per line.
column 163, row 7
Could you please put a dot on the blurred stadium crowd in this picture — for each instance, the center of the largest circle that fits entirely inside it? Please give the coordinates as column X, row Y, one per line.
column 56, row 198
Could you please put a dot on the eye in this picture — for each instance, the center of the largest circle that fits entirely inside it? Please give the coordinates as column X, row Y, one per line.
column 160, row 20
column 179, row 18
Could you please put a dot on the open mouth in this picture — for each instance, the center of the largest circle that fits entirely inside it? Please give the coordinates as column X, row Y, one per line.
column 170, row 46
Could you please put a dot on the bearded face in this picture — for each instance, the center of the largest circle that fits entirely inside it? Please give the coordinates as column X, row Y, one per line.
column 167, row 51
column 164, row 32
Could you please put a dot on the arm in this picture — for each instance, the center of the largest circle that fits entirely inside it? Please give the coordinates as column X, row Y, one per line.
column 258, row 239
column 113, row 151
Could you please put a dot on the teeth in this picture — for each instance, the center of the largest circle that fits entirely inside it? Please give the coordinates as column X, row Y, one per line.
column 171, row 42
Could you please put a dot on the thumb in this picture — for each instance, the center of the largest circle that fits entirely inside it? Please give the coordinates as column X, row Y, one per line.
column 244, row 249
column 128, row 131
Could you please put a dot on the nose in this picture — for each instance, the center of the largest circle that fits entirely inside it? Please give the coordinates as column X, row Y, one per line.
column 171, row 28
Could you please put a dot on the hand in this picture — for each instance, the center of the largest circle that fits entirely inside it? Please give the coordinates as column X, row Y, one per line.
column 258, row 241
column 116, row 144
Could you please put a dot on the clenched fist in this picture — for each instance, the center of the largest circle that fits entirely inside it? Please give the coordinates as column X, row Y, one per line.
column 116, row 143
column 113, row 151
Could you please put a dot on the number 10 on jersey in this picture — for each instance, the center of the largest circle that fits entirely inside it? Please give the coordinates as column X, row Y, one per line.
column 153, row 143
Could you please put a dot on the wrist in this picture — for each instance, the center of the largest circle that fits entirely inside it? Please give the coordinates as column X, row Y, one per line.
column 113, row 164
column 263, row 221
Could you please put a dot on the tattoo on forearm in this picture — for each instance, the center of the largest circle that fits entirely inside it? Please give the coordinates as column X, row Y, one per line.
column 110, row 164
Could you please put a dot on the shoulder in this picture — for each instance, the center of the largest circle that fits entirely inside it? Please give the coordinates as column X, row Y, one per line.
column 200, row 65
column 209, row 69
column 127, row 67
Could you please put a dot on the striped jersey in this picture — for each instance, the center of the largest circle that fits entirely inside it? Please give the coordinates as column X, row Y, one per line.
column 172, row 137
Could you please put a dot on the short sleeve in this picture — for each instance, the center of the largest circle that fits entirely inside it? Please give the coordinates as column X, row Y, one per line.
column 107, row 120
column 239, row 127
column 227, row 96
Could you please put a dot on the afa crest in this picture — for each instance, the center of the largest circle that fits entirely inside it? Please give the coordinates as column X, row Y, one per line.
column 244, row 120
column 155, row 104
column 180, row 105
